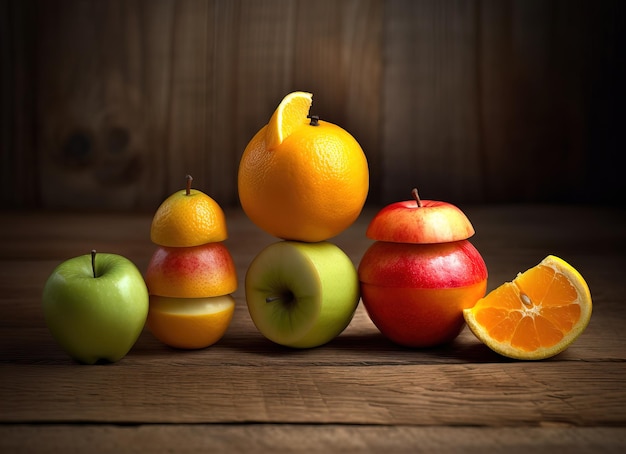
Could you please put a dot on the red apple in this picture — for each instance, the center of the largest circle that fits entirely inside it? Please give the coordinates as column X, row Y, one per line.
column 421, row 273
column 191, row 272
column 420, row 221
column 415, row 293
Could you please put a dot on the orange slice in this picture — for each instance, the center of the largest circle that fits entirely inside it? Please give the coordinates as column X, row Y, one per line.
column 188, row 218
column 537, row 315
column 190, row 323
column 290, row 115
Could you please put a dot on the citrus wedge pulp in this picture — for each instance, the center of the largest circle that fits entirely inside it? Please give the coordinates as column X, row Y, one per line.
column 290, row 115
column 537, row 315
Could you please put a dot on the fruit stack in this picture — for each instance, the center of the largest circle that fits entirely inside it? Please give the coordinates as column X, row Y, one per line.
column 191, row 275
column 421, row 272
column 303, row 181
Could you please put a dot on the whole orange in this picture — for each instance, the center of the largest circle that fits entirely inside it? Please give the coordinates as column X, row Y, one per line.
column 302, row 180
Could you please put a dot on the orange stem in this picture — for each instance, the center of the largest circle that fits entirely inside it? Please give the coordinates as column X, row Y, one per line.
column 189, row 180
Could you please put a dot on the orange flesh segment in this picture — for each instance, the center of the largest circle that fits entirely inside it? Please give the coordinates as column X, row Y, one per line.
column 536, row 310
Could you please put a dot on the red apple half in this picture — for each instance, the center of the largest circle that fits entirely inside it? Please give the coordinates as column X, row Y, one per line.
column 191, row 272
column 415, row 293
column 420, row 221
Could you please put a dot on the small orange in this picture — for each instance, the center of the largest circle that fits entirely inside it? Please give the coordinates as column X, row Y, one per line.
column 302, row 180
column 537, row 315
column 190, row 323
column 188, row 218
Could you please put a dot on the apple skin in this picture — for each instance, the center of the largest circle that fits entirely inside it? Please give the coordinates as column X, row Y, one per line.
column 191, row 272
column 313, row 292
column 433, row 222
column 441, row 265
column 415, row 293
column 96, row 319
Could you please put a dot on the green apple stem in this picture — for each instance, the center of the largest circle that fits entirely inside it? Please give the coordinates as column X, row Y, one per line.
column 416, row 196
column 285, row 298
column 189, row 180
column 93, row 262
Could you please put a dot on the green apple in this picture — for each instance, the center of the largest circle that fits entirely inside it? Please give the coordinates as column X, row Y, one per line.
column 96, row 306
column 301, row 295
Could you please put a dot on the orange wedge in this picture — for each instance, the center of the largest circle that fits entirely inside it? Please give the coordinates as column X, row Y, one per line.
column 537, row 315
column 290, row 115
column 188, row 218
column 190, row 323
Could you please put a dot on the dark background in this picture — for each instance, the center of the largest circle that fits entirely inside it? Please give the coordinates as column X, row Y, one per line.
column 108, row 104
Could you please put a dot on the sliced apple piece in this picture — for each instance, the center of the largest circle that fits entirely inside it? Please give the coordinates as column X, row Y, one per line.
column 301, row 295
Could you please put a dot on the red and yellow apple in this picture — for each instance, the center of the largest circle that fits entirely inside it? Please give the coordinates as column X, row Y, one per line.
column 191, row 272
column 421, row 273
column 434, row 222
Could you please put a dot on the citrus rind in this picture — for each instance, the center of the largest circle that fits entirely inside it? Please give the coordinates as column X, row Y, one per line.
column 505, row 348
column 188, row 220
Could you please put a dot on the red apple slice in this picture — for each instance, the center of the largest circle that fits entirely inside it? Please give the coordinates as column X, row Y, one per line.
column 420, row 221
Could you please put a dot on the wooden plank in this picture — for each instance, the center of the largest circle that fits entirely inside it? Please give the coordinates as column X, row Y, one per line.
column 480, row 394
column 532, row 57
column 431, row 109
column 134, row 98
column 308, row 439
column 18, row 158
column 109, row 104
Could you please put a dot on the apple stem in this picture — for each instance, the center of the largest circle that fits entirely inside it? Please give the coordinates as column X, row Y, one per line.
column 286, row 298
column 93, row 262
column 189, row 180
column 416, row 196
column 271, row 299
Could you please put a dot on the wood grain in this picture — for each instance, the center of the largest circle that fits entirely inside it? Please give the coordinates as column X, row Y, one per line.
column 133, row 98
column 431, row 108
column 466, row 395
column 309, row 439
column 107, row 105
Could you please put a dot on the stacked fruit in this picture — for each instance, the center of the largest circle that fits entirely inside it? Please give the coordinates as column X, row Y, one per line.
column 421, row 272
column 191, row 275
column 304, row 181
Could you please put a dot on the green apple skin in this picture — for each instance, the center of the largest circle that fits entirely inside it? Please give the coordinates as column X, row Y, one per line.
column 96, row 318
column 301, row 295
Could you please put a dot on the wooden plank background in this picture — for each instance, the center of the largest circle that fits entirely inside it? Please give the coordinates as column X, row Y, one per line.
column 107, row 105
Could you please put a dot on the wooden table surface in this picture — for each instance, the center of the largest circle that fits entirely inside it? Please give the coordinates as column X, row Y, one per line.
column 359, row 393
